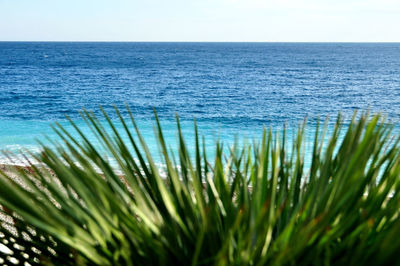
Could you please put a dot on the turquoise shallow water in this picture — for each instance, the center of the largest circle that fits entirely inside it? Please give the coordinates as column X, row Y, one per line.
column 21, row 135
column 231, row 88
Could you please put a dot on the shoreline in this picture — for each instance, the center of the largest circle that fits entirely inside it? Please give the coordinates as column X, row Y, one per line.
column 7, row 168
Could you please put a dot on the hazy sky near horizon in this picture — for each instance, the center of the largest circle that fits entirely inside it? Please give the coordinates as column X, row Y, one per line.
column 200, row 20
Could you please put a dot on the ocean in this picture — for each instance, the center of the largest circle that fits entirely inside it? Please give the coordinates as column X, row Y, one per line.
column 232, row 89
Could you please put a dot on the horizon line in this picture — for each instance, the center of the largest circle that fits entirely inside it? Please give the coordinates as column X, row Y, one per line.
column 116, row 41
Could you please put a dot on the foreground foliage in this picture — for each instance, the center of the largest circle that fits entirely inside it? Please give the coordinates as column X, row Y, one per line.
column 257, row 204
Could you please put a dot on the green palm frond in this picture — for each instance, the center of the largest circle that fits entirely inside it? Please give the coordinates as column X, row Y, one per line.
column 255, row 204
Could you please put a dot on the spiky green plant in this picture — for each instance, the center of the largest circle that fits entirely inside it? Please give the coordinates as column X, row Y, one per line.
column 257, row 204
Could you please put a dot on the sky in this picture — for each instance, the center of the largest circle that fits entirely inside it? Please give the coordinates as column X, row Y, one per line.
column 201, row 20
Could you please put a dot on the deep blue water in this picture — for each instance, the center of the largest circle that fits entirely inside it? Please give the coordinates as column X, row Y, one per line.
column 231, row 88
